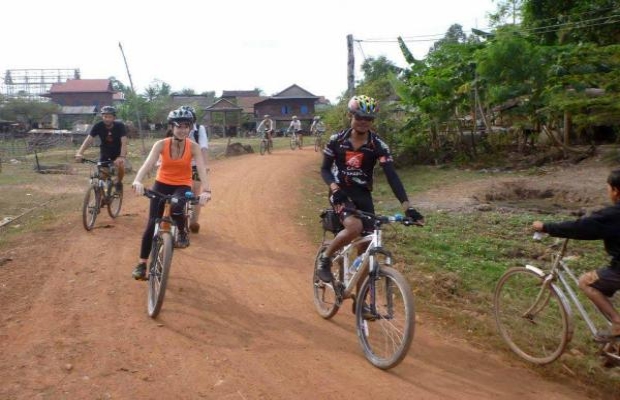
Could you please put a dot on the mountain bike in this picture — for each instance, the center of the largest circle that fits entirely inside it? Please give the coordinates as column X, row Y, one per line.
column 101, row 192
column 266, row 145
column 318, row 141
column 382, row 299
column 534, row 315
column 164, row 239
column 296, row 140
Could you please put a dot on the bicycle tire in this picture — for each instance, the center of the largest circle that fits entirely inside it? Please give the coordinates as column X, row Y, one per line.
column 323, row 293
column 269, row 146
column 159, row 270
column 317, row 144
column 90, row 207
column 262, row 147
column 542, row 335
column 386, row 332
column 293, row 143
column 115, row 202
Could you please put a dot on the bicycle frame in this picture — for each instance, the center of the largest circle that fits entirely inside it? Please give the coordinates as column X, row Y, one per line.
column 560, row 272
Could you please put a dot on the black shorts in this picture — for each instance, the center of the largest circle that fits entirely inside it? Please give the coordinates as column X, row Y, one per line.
column 608, row 281
column 359, row 199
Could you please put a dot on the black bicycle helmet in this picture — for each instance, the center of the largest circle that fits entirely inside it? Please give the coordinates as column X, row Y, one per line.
column 108, row 110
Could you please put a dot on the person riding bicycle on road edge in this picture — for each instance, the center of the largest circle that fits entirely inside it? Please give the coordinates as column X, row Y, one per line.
column 349, row 160
column 266, row 127
column 197, row 134
column 601, row 284
column 113, row 137
column 174, row 176
column 295, row 129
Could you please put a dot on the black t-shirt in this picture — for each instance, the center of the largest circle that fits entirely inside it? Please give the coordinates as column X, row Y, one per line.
column 603, row 224
column 110, row 138
column 355, row 167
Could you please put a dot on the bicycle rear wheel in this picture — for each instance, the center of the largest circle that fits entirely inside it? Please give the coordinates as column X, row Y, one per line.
column 325, row 300
column 536, row 325
column 90, row 207
column 115, row 202
column 269, row 146
column 385, row 318
column 159, row 269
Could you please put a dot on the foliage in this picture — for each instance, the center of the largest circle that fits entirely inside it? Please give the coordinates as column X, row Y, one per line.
column 28, row 111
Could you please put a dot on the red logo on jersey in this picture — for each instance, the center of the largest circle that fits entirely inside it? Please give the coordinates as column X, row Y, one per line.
column 354, row 159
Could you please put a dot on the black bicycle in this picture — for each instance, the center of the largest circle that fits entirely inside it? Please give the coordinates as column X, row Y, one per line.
column 164, row 239
column 101, row 192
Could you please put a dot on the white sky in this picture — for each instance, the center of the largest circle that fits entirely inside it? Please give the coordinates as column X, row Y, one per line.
column 223, row 45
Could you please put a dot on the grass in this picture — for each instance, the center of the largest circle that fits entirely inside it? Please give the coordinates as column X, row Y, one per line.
column 454, row 262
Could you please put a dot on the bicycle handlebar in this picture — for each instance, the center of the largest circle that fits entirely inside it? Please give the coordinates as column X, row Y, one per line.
column 385, row 219
column 98, row 163
column 152, row 194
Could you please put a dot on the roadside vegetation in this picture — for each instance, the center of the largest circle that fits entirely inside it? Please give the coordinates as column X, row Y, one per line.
column 454, row 262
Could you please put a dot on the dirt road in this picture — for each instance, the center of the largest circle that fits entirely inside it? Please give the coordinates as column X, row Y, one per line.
column 238, row 321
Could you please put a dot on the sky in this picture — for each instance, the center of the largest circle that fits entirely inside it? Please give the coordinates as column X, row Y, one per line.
column 225, row 45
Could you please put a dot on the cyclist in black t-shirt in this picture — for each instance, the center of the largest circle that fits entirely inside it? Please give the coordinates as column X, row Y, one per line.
column 348, row 163
column 113, row 147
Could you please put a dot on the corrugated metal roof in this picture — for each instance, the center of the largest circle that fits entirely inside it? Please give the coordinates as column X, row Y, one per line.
column 78, row 110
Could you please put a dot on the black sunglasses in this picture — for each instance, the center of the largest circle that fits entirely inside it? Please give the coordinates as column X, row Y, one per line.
column 358, row 118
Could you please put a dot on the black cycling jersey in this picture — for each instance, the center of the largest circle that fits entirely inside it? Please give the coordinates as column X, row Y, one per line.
column 349, row 167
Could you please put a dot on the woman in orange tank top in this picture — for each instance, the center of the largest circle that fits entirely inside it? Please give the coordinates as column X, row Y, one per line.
column 174, row 176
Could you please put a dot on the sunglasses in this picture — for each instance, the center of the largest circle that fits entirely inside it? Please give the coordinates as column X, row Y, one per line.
column 368, row 119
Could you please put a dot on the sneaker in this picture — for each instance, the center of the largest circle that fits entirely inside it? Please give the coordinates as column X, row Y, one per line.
column 139, row 273
column 119, row 187
column 324, row 269
column 182, row 241
column 194, row 227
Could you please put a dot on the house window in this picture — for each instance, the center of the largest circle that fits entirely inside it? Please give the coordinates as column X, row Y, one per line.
column 285, row 110
column 304, row 109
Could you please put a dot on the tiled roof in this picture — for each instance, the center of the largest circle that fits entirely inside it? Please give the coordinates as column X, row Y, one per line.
column 247, row 103
column 223, row 105
column 82, row 86
column 295, row 92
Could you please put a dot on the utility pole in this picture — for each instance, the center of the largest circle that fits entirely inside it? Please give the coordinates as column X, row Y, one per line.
column 350, row 67
column 133, row 93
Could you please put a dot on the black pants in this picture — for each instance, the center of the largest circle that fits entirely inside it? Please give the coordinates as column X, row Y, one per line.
column 156, row 210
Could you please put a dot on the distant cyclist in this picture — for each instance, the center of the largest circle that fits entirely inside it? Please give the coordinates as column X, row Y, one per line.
column 349, row 160
column 113, row 147
column 318, row 127
column 266, row 127
column 295, row 129
column 174, row 176
column 197, row 134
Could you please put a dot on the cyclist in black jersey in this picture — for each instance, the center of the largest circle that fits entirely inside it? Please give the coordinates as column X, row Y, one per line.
column 348, row 163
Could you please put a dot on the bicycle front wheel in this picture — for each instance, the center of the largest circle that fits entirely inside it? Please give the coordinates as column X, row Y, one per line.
column 115, row 202
column 385, row 318
column 533, row 320
column 325, row 300
column 262, row 147
column 90, row 207
column 317, row 144
column 293, row 143
column 159, row 269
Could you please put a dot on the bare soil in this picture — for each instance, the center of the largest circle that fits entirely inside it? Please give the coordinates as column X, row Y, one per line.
column 238, row 321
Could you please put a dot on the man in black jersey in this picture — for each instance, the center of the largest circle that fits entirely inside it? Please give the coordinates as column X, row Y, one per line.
column 348, row 163
column 113, row 137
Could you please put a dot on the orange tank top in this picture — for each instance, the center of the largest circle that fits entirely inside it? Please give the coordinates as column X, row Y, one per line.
column 175, row 172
